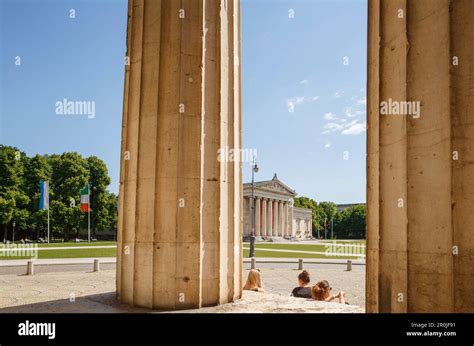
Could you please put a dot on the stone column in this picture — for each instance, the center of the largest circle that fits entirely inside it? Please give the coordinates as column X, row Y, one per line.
column 290, row 219
column 263, row 231
column 257, row 216
column 280, row 218
column 420, row 171
column 180, row 217
column 285, row 218
column 269, row 218
column 246, row 225
column 276, row 218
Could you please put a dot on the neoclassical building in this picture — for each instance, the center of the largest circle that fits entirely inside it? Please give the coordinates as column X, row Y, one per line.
column 275, row 215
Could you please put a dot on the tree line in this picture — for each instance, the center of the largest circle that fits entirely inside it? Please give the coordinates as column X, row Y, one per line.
column 67, row 173
column 348, row 223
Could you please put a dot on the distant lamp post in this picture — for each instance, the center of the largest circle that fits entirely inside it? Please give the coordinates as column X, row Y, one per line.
column 13, row 224
column 252, row 218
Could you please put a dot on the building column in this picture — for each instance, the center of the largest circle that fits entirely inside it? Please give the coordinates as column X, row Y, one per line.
column 290, row 219
column 257, row 216
column 180, row 218
column 246, row 224
column 263, row 231
column 280, row 218
column 269, row 218
column 420, row 170
column 285, row 218
column 276, row 218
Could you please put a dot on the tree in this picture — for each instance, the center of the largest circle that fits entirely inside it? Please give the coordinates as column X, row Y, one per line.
column 350, row 223
column 11, row 168
column 67, row 174
column 13, row 198
column 7, row 207
column 100, row 197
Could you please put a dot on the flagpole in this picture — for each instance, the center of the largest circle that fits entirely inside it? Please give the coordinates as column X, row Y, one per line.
column 48, row 224
column 89, row 214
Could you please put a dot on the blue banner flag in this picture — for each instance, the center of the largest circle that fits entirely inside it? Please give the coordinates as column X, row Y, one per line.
column 44, row 195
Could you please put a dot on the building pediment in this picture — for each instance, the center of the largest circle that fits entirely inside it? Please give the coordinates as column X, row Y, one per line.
column 273, row 186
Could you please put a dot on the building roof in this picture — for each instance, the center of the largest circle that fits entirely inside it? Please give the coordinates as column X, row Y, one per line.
column 272, row 183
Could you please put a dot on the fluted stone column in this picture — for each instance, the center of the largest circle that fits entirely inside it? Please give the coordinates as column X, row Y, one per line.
column 269, row 218
column 420, row 169
column 290, row 219
column 246, row 224
column 180, row 217
column 263, row 231
column 280, row 217
column 257, row 216
column 285, row 218
column 276, row 218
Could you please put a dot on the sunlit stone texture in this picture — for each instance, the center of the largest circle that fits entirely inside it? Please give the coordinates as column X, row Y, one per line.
column 420, row 171
column 180, row 215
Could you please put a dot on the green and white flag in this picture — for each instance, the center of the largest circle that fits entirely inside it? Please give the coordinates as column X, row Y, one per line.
column 85, row 199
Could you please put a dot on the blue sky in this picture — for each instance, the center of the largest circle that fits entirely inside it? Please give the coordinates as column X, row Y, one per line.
column 303, row 108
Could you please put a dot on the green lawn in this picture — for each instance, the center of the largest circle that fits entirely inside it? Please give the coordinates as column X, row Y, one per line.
column 303, row 247
column 260, row 250
column 262, row 253
column 79, row 253
column 99, row 243
column 355, row 241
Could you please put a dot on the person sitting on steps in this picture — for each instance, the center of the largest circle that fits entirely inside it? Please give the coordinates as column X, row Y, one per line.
column 322, row 291
column 303, row 290
column 254, row 281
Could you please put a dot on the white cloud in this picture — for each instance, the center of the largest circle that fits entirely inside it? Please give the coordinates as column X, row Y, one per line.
column 355, row 129
column 329, row 116
column 291, row 103
column 333, row 127
column 327, row 145
column 304, row 81
column 338, row 94
column 349, row 112
column 362, row 101
column 342, row 126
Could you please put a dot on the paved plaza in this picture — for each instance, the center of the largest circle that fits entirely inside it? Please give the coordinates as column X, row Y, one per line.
column 78, row 289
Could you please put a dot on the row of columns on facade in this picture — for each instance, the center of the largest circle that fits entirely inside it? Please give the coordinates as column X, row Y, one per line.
column 272, row 217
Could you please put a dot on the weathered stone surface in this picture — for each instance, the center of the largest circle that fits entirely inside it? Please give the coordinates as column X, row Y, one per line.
column 420, row 170
column 255, row 302
column 88, row 292
column 180, row 217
